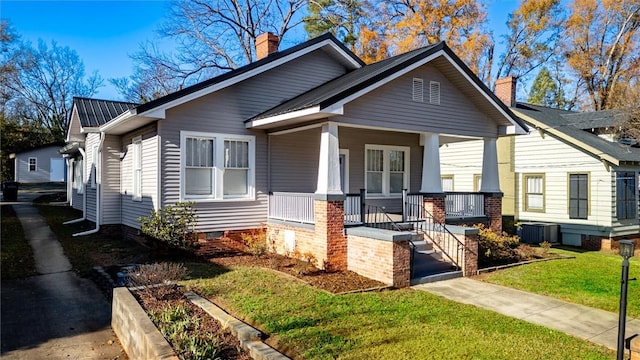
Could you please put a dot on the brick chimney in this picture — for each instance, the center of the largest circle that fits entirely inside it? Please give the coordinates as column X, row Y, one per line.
column 506, row 90
column 266, row 44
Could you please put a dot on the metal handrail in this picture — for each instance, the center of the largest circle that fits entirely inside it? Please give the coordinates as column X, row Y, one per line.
column 425, row 219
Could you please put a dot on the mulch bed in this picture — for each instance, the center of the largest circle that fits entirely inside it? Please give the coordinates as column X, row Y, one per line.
column 334, row 282
column 229, row 345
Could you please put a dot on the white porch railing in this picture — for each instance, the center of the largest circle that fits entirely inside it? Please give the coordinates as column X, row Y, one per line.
column 290, row 206
column 461, row 204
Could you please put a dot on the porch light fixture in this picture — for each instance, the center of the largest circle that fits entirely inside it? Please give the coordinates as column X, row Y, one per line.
column 627, row 248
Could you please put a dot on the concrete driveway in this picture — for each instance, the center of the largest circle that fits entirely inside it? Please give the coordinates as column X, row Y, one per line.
column 56, row 314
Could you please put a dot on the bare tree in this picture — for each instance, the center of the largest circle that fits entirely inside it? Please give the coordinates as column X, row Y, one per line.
column 212, row 36
column 44, row 82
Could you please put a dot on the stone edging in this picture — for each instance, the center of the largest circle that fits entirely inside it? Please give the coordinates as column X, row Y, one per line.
column 249, row 337
column 138, row 335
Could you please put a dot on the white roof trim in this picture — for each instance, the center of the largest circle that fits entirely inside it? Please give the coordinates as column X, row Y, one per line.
column 315, row 110
column 116, row 121
column 258, row 70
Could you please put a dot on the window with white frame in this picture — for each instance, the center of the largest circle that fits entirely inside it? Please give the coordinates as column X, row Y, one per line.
column 534, row 192
column 137, row 168
column 94, row 168
column 578, row 196
column 386, row 169
column 447, row 182
column 33, row 164
column 217, row 166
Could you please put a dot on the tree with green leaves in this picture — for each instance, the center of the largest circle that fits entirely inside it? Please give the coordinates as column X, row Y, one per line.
column 342, row 18
column 546, row 91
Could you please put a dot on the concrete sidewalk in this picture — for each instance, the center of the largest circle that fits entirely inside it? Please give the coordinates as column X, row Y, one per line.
column 55, row 315
column 598, row 326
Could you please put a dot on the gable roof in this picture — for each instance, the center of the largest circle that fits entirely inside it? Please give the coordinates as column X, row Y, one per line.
column 155, row 109
column 569, row 126
column 96, row 112
column 56, row 144
column 329, row 97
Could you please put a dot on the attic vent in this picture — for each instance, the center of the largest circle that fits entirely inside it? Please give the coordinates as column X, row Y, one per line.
column 434, row 92
column 418, row 90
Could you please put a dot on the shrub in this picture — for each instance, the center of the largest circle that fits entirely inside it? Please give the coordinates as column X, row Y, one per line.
column 173, row 225
column 546, row 246
column 158, row 279
column 494, row 248
column 255, row 241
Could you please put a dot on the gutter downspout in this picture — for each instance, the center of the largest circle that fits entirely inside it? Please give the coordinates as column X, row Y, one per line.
column 84, row 195
column 98, row 162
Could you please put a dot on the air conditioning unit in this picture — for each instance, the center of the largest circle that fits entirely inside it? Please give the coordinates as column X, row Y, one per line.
column 535, row 233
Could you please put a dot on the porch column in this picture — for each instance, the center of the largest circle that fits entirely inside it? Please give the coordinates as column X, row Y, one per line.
column 431, row 187
column 491, row 185
column 329, row 203
column 490, row 177
column 431, row 179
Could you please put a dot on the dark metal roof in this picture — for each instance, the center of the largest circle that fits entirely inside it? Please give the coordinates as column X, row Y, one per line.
column 95, row 112
column 356, row 80
column 272, row 57
column 571, row 124
column 57, row 144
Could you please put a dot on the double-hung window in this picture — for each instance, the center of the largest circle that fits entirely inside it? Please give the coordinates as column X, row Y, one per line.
column 386, row 169
column 78, row 178
column 217, row 166
column 33, row 164
column 137, row 168
column 626, row 188
column 578, row 196
column 534, row 192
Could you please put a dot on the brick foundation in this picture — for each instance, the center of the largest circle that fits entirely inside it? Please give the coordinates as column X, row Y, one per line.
column 493, row 211
column 111, row 229
column 436, row 207
column 634, row 348
column 287, row 239
column 597, row 243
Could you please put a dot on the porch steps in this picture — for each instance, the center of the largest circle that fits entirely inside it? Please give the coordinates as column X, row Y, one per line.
column 429, row 264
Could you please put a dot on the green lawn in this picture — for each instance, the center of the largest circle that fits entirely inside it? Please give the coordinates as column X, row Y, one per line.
column 399, row 324
column 591, row 279
column 16, row 256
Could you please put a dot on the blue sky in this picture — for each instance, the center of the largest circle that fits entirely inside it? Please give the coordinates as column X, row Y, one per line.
column 104, row 33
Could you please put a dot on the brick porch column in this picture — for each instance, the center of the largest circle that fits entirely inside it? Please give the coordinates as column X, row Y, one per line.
column 493, row 210
column 470, row 267
column 329, row 202
column 434, row 205
column 329, row 230
column 401, row 264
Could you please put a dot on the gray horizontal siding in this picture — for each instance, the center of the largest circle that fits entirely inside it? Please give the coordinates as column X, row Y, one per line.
column 294, row 160
column 43, row 164
column 132, row 210
column 225, row 112
column 391, row 106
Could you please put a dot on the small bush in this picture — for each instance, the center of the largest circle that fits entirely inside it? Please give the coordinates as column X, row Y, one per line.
column 255, row 241
column 545, row 246
column 495, row 249
column 157, row 280
column 173, row 225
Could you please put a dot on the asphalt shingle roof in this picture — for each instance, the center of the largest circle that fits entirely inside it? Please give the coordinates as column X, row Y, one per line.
column 574, row 125
column 95, row 112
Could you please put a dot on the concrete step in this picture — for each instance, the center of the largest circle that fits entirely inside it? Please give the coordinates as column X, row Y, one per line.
column 431, row 267
column 422, row 246
column 436, row 277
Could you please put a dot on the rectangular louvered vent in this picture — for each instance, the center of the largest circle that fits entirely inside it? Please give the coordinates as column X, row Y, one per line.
column 418, row 90
column 434, row 93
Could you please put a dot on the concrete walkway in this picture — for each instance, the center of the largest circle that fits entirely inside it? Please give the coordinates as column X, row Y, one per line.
column 598, row 326
column 55, row 315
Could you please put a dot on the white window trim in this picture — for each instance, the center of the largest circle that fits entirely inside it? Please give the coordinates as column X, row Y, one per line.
column 95, row 162
column 35, row 163
column 136, row 168
column 385, row 172
column 79, row 168
column 345, row 152
column 218, row 167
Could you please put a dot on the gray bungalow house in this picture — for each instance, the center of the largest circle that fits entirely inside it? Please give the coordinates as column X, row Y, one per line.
column 41, row 164
column 286, row 143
